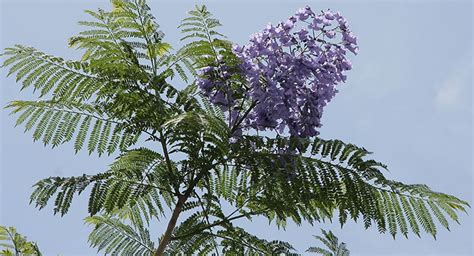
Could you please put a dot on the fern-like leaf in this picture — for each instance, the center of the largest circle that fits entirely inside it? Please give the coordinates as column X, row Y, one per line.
column 112, row 236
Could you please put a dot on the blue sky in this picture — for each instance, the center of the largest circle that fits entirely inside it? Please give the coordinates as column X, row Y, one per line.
column 408, row 99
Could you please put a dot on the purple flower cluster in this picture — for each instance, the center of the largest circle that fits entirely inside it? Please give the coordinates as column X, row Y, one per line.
column 291, row 70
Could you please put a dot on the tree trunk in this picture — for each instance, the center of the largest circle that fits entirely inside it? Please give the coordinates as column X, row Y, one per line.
column 171, row 225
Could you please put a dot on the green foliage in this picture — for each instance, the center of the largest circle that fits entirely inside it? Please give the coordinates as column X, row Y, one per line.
column 112, row 236
column 121, row 91
column 322, row 177
column 58, row 122
column 14, row 244
column 204, row 43
column 332, row 243
column 123, row 37
column 239, row 242
column 137, row 179
column 62, row 79
column 232, row 241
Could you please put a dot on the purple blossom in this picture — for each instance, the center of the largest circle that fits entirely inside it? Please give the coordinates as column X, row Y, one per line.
column 304, row 13
column 290, row 72
column 329, row 15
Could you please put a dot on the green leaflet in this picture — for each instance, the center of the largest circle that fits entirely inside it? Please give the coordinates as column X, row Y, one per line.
column 46, row 72
column 344, row 181
column 56, row 122
column 131, row 180
column 114, row 237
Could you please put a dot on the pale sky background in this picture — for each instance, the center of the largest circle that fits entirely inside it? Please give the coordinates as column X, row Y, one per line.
column 408, row 99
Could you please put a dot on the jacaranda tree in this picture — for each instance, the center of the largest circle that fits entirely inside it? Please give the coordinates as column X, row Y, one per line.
column 210, row 132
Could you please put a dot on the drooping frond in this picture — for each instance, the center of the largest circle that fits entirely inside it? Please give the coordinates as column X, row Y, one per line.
column 111, row 236
column 64, row 80
column 309, row 180
column 136, row 181
column 397, row 203
column 56, row 122
column 12, row 243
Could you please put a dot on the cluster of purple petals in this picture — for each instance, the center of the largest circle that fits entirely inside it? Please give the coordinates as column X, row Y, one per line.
column 292, row 70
